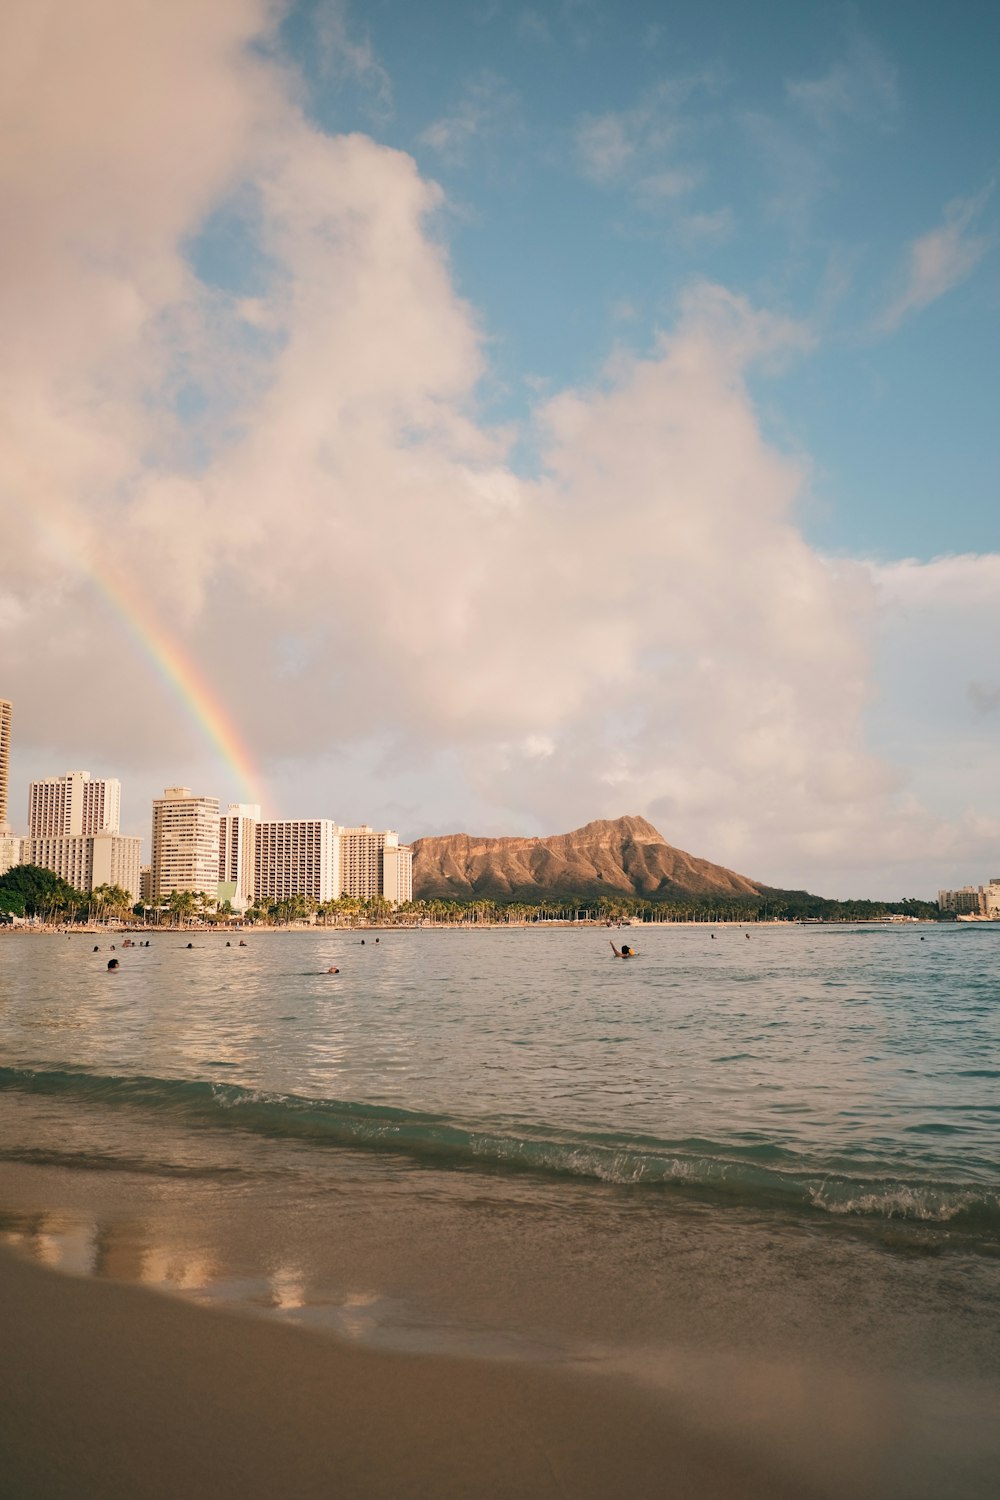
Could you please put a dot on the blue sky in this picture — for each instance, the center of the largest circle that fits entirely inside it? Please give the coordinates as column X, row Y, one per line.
column 518, row 414
column 597, row 158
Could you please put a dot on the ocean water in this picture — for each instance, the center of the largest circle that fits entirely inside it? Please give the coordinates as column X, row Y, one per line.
column 851, row 1071
column 747, row 1152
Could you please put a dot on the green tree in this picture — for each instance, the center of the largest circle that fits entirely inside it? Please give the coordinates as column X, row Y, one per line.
column 28, row 890
column 182, row 906
column 110, row 902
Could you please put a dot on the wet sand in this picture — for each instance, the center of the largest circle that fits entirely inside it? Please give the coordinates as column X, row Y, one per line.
column 116, row 1393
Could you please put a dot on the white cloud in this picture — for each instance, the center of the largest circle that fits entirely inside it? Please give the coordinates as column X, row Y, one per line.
column 605, row 147
column 862, row 87
column 488, row 108
column 939, row 260
column 344, row 51
column 637, row 148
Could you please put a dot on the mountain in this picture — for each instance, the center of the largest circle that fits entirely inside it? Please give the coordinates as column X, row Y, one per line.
column 611, row 857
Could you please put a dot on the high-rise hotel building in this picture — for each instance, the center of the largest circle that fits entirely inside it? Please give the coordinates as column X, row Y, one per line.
column 6, row 717
column 76, row 803
column 185, row 854
column 298, row 857
column 237, row 853
column 73, row 823
column 10, row 845
column 375, row 864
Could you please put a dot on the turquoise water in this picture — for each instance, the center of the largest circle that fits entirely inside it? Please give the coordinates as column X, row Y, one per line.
column 846, row 1072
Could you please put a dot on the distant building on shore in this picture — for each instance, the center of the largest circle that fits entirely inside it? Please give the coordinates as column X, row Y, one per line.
column 973, row 900
column 375, row 864
column 10, row 851
column 87, row 860
column 237, row 853
column 297, row 857
column 274, row 860
column 73, row 830
column 6, row 720
column 185, row 852
column 74, row 804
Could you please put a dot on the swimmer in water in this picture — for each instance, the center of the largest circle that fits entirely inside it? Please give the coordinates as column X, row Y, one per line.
column 112, row 963
column 623, row 952
column 333, row 971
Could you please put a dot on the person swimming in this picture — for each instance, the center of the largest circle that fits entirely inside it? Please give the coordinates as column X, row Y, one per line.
column 623, row 952
column 333, row 971
column 112, row 963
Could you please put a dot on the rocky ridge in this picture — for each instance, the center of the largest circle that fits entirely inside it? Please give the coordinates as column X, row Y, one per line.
column 610, row 857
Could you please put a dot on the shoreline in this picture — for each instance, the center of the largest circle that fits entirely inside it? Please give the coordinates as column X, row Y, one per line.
column 115, row 1392
column 258, row 930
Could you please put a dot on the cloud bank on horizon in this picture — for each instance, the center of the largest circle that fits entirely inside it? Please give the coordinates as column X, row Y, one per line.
column 246, row 374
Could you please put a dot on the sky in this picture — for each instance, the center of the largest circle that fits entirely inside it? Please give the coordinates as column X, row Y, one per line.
column 490, row 417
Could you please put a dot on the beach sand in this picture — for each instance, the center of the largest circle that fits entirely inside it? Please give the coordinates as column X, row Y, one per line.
column 116, row 1393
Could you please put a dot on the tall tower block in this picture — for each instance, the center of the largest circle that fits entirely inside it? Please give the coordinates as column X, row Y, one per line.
column 6, row 716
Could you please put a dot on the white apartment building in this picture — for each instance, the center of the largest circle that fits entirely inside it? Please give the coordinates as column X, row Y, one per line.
column 297, row 857
column 73, row 823
column 973, row 900
column 375, row 864
column 10, row 851
column 964, row 900
column 88, row 860
column 237, row 852
column 185, row 854
column 6, row 718
column 74, row 804
column 397, row 873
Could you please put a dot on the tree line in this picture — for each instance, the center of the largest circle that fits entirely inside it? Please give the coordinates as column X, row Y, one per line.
column 28, row 891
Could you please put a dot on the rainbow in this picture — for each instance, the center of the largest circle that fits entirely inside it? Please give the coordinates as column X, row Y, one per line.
column 173, row 665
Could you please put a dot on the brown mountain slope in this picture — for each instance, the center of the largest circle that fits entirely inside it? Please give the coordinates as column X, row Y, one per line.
column 624, row 856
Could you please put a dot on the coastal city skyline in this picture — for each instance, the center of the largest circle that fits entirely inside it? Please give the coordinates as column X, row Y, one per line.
column 512, row 416
column 237, row 856
column 242, row 855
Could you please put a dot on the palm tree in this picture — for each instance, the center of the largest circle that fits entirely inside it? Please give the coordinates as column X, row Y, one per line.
column 110, row 901
column 182, row 906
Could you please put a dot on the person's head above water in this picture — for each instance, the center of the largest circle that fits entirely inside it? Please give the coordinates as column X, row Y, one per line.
column 626, row 948
column 112, row 963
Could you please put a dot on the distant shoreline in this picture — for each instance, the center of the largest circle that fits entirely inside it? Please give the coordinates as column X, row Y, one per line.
column 210, row 930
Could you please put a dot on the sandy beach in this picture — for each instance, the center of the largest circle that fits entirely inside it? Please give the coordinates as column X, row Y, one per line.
column 115, row 1393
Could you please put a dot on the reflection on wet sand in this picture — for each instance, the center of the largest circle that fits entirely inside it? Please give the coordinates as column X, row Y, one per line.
column 125, row 1250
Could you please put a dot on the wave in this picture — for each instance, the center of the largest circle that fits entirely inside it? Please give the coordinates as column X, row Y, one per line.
column 760, row 1174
